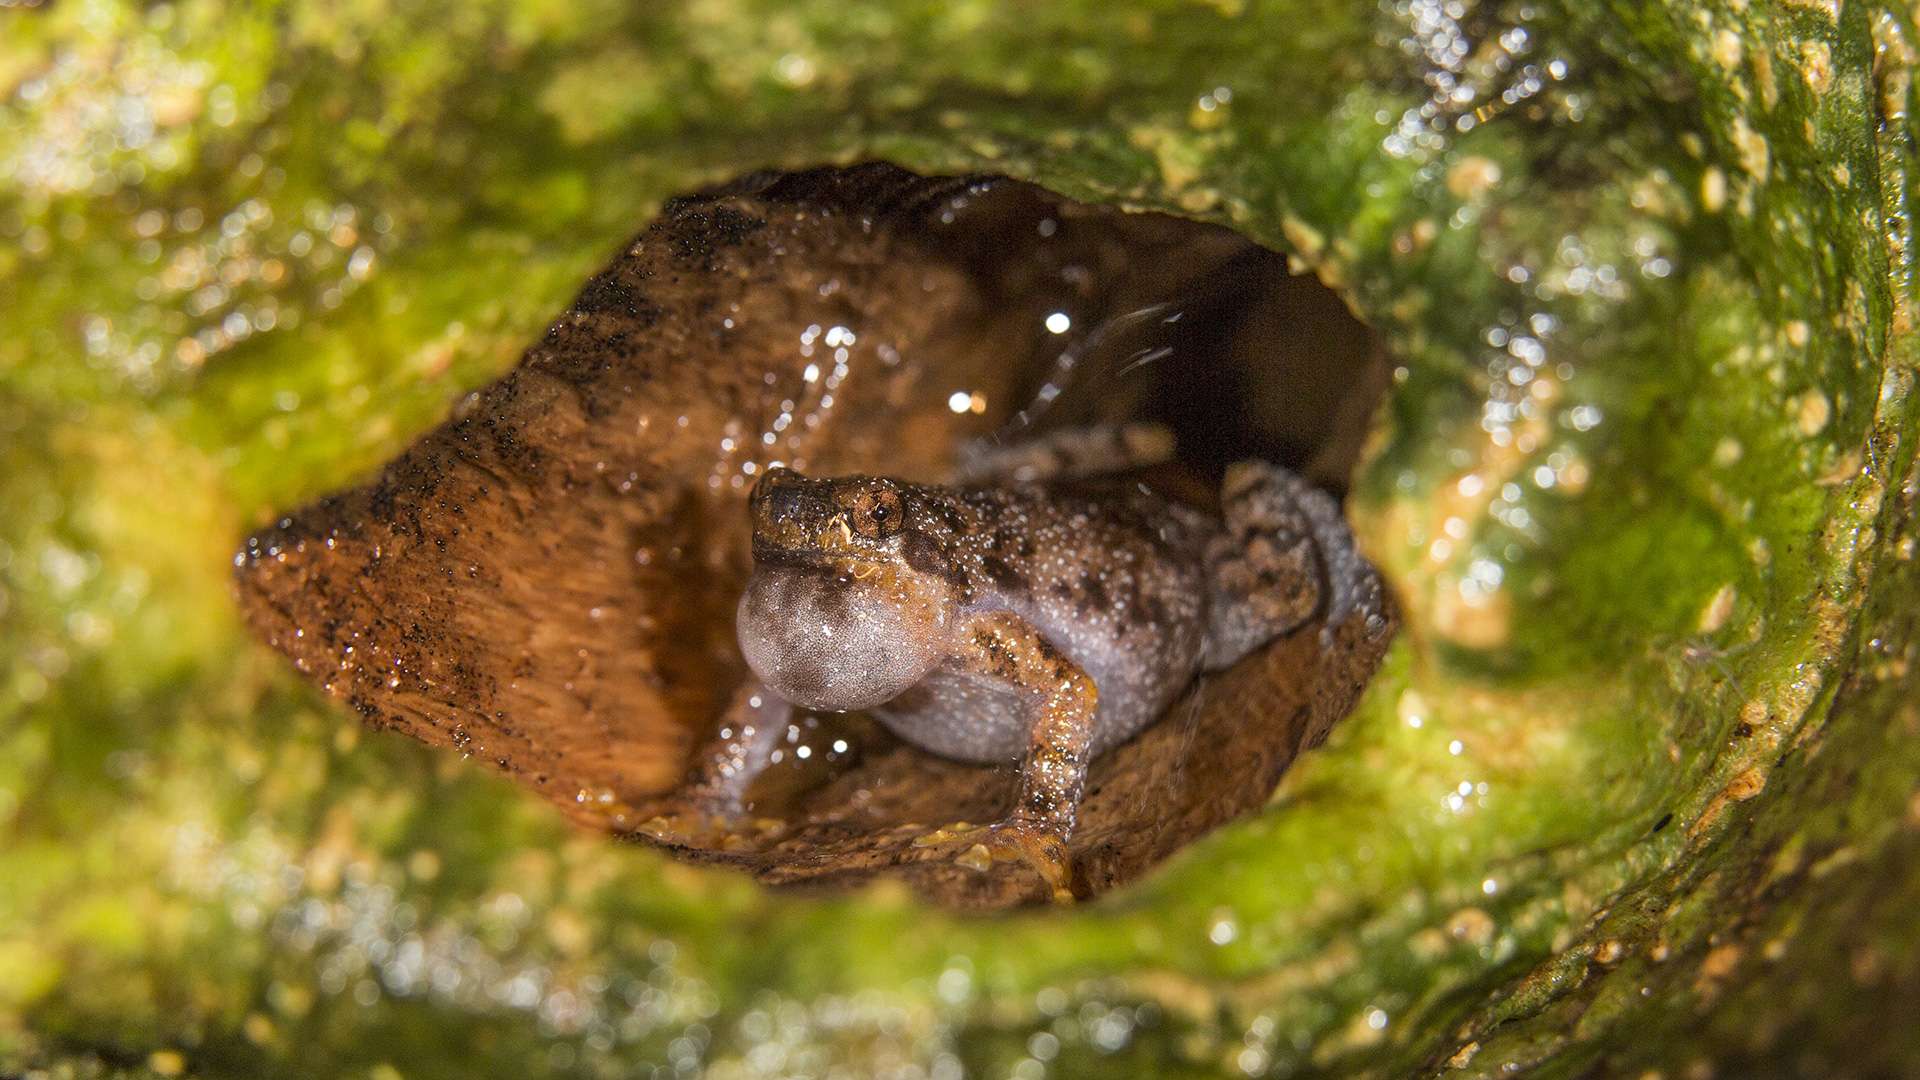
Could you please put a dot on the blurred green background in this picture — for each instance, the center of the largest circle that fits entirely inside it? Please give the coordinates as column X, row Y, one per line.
column 1637, row 789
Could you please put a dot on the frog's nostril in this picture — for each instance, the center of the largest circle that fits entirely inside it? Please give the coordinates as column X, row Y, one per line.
column 785, row 501
column 771, row 482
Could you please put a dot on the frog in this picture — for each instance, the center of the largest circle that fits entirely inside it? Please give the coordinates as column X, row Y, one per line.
column 1040, row 608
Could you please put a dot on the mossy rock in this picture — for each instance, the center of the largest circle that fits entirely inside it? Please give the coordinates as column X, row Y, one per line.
column 1635, row 789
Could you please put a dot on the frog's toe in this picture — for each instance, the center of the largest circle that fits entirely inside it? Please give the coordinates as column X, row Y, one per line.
column 1041, row 846
column 1266, row 568
column 676, row 825
column 709, row 825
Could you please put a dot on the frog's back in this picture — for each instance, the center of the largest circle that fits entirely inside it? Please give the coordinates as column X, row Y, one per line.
column 1115, row 579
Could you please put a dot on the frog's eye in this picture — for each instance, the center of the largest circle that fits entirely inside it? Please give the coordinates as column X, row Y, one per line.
column 877, row 513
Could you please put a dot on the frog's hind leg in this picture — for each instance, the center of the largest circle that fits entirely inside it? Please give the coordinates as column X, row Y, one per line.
column 1064, row 454
column 1285, row 556
column 1063, row 708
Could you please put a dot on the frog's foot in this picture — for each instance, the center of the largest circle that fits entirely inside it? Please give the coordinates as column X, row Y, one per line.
column 1267, row 567
column 709, row 824
column 1041, row 845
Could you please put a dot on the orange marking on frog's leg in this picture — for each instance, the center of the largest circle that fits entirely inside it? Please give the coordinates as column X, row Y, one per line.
column 1053, row 775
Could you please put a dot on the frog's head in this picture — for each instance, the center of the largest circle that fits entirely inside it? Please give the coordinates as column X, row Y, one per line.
column 795, row 517
column 836, row 616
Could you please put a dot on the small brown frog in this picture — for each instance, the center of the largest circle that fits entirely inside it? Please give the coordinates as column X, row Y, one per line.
column 1028, row 613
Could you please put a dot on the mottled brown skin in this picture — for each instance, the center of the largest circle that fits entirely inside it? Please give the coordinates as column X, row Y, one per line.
column 1043, row 621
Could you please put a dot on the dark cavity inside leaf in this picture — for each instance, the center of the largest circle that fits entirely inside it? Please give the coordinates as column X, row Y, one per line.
column 546, row 582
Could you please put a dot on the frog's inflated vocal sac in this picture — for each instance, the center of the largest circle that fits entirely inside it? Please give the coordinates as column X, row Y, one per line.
column 1029, row 615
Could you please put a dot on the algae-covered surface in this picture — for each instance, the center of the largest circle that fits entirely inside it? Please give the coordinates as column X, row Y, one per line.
column 1636, row 789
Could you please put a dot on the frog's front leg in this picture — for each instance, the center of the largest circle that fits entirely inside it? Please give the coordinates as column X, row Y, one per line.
column 1063, row 705
column 754, row 724
column 708, row 808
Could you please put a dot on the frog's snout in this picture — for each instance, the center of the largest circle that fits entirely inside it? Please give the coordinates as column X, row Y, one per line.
column 777, row 493
column 784, row 497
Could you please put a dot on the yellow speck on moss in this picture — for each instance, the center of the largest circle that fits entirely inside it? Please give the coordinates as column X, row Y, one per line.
column 424, row 864
column 1763, row 78
column 1208, row 114
column 1178, row 156
column 594, row 97
column 1198, row 200
column 1728, row 50
column 1752, row 147
column 1472, row 926
column 1718, row 610
column 26, row 973
column 1304, row 239
column 167, row 1062
column 986, row 148
column 1829, row 8
column 1741, row 788
column 258, row 1029
column 1429, row 944
column 1713, row 189
column 1814, row 412
column 1720, row 962
column 1816, row 65
column 1472, row 177
column 1746, row 785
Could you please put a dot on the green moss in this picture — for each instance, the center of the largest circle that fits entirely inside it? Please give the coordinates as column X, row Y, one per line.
column 1646, row 455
